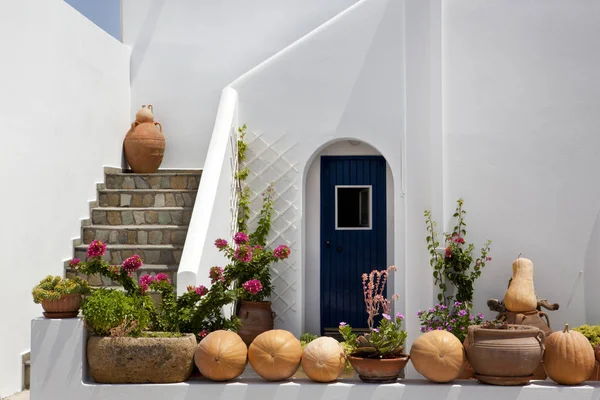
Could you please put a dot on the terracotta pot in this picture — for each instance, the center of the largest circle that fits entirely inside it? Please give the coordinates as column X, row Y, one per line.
column 505, row 356
column 256, row 317
column 65, row 307
column 595, row 376
column 144, row 147
column 142, row 359
column 374, row 370
column 535, row 318
column 467, row 373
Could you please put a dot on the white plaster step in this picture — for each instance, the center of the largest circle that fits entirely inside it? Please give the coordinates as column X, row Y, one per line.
column 169, row 254
column 135, row 234
column 146, row 269
column 142, row 216
column 146, row 197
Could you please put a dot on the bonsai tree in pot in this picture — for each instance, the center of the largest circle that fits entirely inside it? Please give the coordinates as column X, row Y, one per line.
column 60, row 297
column 377, row 356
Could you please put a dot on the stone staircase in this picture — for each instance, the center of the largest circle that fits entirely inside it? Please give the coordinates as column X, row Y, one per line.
column 144, row 214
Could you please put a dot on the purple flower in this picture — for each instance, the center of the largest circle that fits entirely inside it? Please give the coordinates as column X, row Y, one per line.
column 220, row 243
column 462, row 328
column 419, row 313
column 423, row 329
column 132, row 263
column 462, row 313
column 430, row 329
column 400, row 316
column 432, row 310
column 480, row 316
column 243, row 253
column 375, row 330
column 453, row 320
column 439, row 328
column 457, row 304
column 449, row 327
column 343, row 324
column 471, row 318
column 386, row 316
column 241, row 238
column 281, row 252
column 96, row 249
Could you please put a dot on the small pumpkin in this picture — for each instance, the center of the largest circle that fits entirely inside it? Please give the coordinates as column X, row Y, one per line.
column 221, row 356
column 569, row 357
column 145, row 114
column 439, row 356
column 323, row 359
column 520, row 295
column 275, row 355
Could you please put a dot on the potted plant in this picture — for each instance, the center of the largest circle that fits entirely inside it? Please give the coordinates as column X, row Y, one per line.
column 503, row 354
column 60, row 297
column 454, row 267
column 377, row 356
column 135, row 341
column 455, row 320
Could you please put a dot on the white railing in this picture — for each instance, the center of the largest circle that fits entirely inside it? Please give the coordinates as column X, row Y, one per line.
column 215, row 210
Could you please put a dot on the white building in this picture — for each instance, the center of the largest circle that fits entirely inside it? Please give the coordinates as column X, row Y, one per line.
column 497, row 102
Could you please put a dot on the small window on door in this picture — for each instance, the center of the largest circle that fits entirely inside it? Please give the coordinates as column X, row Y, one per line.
column 352, row 207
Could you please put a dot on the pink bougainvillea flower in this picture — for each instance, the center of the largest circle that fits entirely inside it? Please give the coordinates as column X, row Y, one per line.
column 203, row 333
column 488, row 259
column 241, row 238
column 146, row 280
column 115, row 269
column 220, row 243
column 243, row 253
column 253, row 286
column 162, row 277
column 448, row 252
column 459, row 240
column 258, row 247
column 132, row 263
column 74, row 262
column 96, row 249
column 216, row 275
column 201, row 290
column 282, row 251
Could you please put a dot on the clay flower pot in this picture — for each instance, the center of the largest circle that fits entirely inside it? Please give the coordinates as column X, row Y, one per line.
column 144, row 147
column 505, row 356
column 375, row 370
column 142, row 359
column 65, row 307
column 256, row 317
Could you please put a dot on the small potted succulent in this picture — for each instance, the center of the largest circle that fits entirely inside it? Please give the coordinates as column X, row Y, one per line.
column 60, row 297
column 377, row 356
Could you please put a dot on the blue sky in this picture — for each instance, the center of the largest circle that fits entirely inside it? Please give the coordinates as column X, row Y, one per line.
column 104, row 13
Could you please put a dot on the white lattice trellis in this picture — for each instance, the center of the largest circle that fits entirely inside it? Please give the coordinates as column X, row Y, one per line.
column 234, row 195
column 269, row 164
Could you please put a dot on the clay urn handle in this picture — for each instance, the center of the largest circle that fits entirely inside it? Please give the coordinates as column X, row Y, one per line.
column 544, row 315
column 151, row 108
column 158, row 125
column 471, row 334
column 541, row 337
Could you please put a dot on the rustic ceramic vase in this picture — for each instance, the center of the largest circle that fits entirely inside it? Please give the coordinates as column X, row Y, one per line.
column 145, row 114
column 505, row 356
column 144, row 147
column 65, row 307
column 256, row 317
column 374, row 370
column 142, row 359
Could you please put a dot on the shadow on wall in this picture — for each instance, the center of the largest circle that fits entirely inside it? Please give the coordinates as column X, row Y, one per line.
column 106, row 14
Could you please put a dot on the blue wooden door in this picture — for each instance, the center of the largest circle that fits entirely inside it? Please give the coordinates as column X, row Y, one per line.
column 353, row 235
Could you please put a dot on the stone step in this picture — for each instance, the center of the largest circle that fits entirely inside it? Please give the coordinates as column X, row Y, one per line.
column 135, row 234
column 141, row 216
column 160, row 180
column 146, row 198
column 169, row 254
column 146, row 269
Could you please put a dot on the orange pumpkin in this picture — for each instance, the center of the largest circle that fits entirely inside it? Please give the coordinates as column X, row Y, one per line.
column 221, row 356
column 569, row 357
column 275, row 355
column 323, row 359
column 438, row 355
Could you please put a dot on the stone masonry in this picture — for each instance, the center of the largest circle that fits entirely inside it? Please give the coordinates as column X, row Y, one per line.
column 144, row 214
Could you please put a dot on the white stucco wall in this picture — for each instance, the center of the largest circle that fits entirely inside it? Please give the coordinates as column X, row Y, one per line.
column 521, row 118
column 64, row 110
column 312, row 226
column 184, row 52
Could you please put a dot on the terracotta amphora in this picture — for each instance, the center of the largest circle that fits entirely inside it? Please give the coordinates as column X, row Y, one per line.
column 145, row 114
column 144, row 147
column 256, row 317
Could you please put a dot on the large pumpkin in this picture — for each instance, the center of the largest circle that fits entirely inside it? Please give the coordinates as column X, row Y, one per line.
column 569, row 357
column 275, row 355
column 221, row 356
column 438, row 355
column 323, row 359
column 520, row 295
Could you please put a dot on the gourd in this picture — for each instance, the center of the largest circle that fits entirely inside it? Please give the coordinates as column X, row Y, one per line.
column 221, row 356
column 323, row 359
column 275, row 355
column 569, row 357
column 438, row 355
column 145, row 114
column 520, row 295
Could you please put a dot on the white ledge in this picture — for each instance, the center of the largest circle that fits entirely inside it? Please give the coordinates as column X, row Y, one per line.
column 58, row 371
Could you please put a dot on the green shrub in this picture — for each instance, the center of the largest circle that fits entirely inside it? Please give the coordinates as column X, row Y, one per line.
column 591, row 332
column 306, row 338
column 109, row 310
